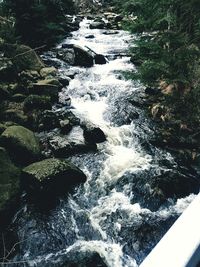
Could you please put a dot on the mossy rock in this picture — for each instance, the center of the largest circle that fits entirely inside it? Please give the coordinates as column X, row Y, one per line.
column 37, row 102
column 9, row 179
column 52, row 176
column 48, row 87
column 25, row 58
column 48, row 72
column 21, row 144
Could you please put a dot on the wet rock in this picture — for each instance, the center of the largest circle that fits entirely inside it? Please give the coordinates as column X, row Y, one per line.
column 65, row 126
column 67, row 55
column 152, row 91
column 9, row 181
column 49, row 87
column 110, row 32
column 48, row 120
column 83, row 57
column 64, row 81
column 90, row 36
column 63, row 147
column 48, row 72
column 93, row 134
column 90, row 259
column 69, row 46
column 21, row 144
column 37, row 102
column 98, row 25
column 99, row 59
column 52, row 177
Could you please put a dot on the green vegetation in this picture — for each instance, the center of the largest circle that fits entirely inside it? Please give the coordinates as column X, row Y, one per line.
column 167, row 48
column 36, row 22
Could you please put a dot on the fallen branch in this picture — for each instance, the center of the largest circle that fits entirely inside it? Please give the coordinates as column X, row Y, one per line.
column 31, row 50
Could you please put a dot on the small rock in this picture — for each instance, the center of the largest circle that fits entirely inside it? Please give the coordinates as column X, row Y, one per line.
column 65, row 126
column 48, row 72
column 90, row 36
column 48, row 120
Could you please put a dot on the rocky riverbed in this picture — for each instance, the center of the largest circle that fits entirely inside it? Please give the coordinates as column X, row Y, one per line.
column 87, row 177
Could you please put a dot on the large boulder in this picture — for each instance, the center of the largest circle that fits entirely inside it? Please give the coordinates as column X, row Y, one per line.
column 21, row 144
column 93, row 134
column 25, row 58
column 49, row 87
column 83, row 57
column 52, row 177
column 98, row 25
column 67, row 55
column 48, row 72
column 9, row 181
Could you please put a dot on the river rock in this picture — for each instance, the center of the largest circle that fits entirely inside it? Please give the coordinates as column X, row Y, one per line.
column 9, row 181
column 48, row 72
column 48, row 120
column 25, row 58
column 83, row 57
column 90, row 36
column 93, row 134
column 37, row 102
column 86, row 259
column 62, row 147
column 52, row 176
column 67, row 55
column 21, row 144
column 100, row 59
column 98, row 25
column 49, row 87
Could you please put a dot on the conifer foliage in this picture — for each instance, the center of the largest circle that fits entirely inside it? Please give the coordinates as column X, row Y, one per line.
column 167, row 46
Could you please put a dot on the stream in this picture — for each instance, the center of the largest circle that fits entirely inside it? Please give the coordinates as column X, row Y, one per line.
column 102, row 216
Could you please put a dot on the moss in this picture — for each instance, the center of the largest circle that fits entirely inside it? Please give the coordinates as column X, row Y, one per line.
column 21, row 143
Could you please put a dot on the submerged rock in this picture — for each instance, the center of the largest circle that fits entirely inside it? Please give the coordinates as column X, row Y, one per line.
column 51, row 176
column 21, row 144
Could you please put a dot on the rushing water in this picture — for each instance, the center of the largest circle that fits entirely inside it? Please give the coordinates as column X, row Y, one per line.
column 101, row 215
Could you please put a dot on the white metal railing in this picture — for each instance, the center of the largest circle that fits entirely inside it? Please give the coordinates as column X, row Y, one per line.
column 180, row 247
